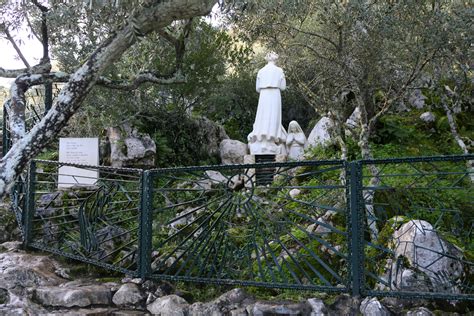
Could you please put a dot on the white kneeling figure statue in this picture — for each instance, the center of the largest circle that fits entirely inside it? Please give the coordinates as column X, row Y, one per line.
column 269, row 136
column 295, row 141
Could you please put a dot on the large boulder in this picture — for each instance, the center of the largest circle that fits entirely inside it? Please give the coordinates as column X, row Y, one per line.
column 345, row 304
column 129, row 148
column 212, row 134
column 428, row 254
column 20, row 272
column 320, row 135
column 232, row 151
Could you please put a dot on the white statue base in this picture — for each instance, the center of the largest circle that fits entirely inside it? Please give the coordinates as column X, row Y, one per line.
column 264, row 147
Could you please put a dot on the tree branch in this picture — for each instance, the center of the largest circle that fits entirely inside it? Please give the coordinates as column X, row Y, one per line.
column 327, row 39
column 178, row 43
column 142, row 78
column 15, row 46
column 44, row 28
column 35, row 34
column 42, row 67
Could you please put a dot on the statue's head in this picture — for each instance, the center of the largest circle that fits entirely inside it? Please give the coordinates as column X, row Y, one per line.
column 294, row 127
column 271, row 56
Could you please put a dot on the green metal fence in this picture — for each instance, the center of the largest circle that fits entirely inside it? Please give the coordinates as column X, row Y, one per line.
column 422, row 210
column 218, row 225
column 86, row 213
column 395, row 227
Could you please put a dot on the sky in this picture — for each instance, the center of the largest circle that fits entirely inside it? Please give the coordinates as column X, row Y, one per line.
column 31, row 48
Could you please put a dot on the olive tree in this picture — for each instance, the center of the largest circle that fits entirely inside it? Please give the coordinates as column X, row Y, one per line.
column 132, row 22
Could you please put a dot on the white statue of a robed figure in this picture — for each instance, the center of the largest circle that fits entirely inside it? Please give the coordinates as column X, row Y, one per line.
column 269, row 136
column 295, row 141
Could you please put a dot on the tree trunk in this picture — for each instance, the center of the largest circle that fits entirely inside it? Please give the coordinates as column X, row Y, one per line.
column 458, row 139
column 368, row 195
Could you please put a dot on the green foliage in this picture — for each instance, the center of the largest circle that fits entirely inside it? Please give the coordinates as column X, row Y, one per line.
column 322, row 153
column 404, row 134
column 49, row 155
column 181, row 140
column 234, row 103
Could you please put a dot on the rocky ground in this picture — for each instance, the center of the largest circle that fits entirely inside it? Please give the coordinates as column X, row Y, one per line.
column 36, row 283
column 33, row 283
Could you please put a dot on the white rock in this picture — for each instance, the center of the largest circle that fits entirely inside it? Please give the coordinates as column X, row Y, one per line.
column 320, row 134
column 238, row 312
column 317, row 307
column 353, row 120
column 263, row 308
column 294, row 193
column 171, row 305
column 428, row 117
column 409, row 280
column 216, row 176
column 232, row 151
column 219, row 306
column 11, row 245
column 73, row 296
column 426, row 251
column 419, row 311
column 417, row 99
column 140, row 148
column 25, row 270
column 325, row 219
column 128, row 295
column 372, row 307
column 212, row 179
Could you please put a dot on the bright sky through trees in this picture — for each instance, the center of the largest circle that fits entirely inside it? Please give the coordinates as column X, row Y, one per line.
column 30, row 47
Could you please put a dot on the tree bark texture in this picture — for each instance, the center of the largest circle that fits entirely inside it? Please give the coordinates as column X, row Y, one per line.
column 366, row 153
column 459, row 140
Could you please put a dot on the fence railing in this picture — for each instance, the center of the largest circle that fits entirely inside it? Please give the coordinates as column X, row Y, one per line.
column 395, row 227
column 86, row 213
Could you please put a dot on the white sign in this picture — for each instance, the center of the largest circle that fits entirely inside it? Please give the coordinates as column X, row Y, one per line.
column 83, row 151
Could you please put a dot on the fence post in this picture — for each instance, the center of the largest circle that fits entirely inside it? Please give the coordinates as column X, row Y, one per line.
column 29, row 208
column 144, row 245
column 356, row 233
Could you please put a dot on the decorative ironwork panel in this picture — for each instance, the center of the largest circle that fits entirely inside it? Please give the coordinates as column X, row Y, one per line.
column 96, row 223
column 418, row 223
column 221, row 224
